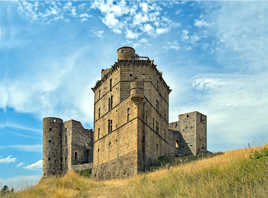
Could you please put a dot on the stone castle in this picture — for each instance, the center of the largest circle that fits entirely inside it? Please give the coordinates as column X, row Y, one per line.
column 131, row 125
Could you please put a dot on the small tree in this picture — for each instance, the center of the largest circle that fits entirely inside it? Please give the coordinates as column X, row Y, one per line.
column 4, row 189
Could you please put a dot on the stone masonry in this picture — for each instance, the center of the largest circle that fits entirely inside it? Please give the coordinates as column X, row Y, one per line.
column 131, row 125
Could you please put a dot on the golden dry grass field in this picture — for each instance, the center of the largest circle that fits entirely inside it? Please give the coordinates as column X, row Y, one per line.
column 239, row 173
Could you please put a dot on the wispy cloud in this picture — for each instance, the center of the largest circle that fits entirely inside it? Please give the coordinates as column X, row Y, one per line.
column 35, row 166
column 19, row 126
column 26, row 148
column 7, row 160
column 20, row 164
column 119, row 16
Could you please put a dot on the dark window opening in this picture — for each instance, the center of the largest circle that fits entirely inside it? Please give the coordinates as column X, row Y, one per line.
column 157, row 105
column 98, row 133
column 49, row 159
column 130, row 75
column 50, row 129
column 99, row 94
column 157, row 148
column 75, row 155
column 99, row 113
column 49, row 141
column 128, row 113
column 111, row 82
column 110, row 126
column 157, row 127
column 187, row 116
column 111, row 102
column 146, row 115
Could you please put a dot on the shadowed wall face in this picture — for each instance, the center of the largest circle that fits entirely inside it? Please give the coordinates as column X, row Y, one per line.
column 52, row 147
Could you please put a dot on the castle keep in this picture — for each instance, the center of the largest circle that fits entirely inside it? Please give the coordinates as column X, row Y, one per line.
column 131, row 125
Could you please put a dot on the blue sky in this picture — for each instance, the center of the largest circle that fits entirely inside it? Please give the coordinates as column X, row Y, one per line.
column 213, row 54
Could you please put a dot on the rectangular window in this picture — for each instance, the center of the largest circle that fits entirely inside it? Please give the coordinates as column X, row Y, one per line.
column 157, row 105
column 99, row 113
column 99, row 94
column 98, row 133
column 157, row 127
column 153, row 123
column 111, row 86
column 128, row 113
column 110, row 126
column 111, row 102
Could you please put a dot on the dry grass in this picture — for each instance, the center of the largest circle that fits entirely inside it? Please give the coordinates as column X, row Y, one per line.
column 232, row 174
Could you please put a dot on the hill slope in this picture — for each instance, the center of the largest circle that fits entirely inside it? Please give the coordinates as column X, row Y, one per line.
column 237, row 173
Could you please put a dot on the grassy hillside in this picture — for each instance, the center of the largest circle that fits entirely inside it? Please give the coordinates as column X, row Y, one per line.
column 238, row 173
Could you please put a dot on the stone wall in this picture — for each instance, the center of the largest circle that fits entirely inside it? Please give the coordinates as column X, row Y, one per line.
column 81, row 167
column 192, row 127
column 52, row 155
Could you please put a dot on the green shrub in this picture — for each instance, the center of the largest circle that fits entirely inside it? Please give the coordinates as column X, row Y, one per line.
column 259, row 154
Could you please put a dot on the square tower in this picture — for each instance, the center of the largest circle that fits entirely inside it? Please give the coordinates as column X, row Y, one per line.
column 193, row 129
column 130, row 116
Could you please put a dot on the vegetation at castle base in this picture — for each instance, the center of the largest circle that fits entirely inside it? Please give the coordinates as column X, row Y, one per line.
column 85, row 173
column 238, row 173
column 167, row 162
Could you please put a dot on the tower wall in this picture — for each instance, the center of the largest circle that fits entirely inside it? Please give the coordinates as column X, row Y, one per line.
column 125, row 53
column 52, row 146
column 193, row 128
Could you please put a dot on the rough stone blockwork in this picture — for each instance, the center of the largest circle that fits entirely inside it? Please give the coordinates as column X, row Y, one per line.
column 131, row 125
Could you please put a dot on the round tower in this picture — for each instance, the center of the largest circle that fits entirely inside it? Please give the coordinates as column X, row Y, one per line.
column 52, row 149
column 137, row 91
column 125, row 53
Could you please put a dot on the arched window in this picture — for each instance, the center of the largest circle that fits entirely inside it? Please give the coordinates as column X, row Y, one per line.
column 75, row 155
column 177, row 144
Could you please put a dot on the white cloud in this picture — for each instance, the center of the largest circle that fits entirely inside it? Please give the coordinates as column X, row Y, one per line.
column 148, row 28
column 172, row 45
column 144, row 7
column 185, row 35
column 35, row 166
column 53, row 94
column 131, row 35
column 161, row 30
column 16, row 125
column 235, row 100
column 119, row 16
column 20, row 164
column 99, row 33
column 26, row 148
column 7, row 160
column 200, row 23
